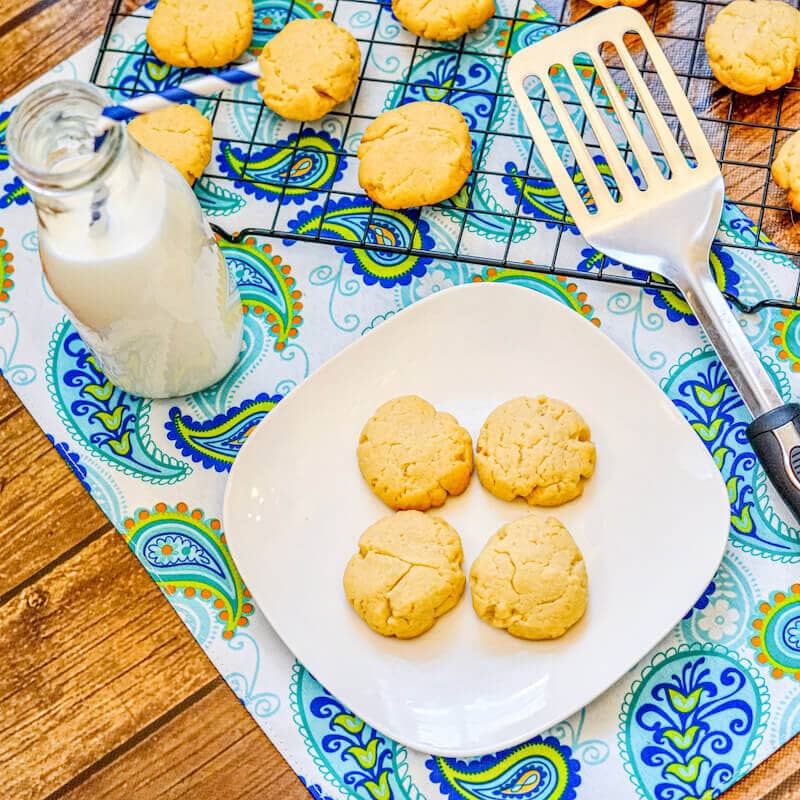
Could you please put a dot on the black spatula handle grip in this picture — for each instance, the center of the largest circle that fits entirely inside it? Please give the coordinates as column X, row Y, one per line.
column 775, row 437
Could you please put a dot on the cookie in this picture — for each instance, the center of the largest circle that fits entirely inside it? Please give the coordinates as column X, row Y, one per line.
column 610, row 3
column 786, row 169
column 415, row 155
column 754, row 46
column 180, row 135
column 413, row 456
column 307, row 68
column 200, row 33
column 442, row 20
column 530, row 579
column 537, row 448
column 407, row 573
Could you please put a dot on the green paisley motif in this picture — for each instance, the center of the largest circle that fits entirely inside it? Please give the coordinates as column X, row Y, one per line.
column 110, row 424
column 556, row 287
column 701, row 389
column 352, row 756
column 186, row 551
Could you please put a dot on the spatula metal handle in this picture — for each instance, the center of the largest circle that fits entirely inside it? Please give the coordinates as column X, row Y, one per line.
column 775, row 430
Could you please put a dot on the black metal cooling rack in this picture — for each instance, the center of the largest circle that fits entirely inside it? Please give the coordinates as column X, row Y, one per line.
column 744, row 133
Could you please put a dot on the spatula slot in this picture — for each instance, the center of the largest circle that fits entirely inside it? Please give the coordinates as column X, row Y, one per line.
column 666, row 123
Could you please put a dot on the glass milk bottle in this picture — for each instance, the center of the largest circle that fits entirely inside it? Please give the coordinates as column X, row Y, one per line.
column 125, row 247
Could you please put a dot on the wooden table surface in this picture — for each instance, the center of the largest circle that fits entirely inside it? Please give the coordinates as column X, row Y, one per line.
column 103, row 692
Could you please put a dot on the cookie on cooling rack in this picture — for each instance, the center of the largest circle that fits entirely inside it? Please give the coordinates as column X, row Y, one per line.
column 754, row 46
column 180, row 135
column 407, row 573
column 786, row 169
column 415, row 155
column 537, row 448
column 200, row 33
column 442, row 20
column 307, row 68
column 530, row 579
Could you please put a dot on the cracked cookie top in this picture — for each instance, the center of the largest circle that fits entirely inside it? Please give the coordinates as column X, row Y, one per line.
column 415, row 155
column 413, row 456
column 307, row 68
column 442, row 20
column 191, row 33
column 406, row 574
column 530, row 579
column 537, row 448
column 754, row 46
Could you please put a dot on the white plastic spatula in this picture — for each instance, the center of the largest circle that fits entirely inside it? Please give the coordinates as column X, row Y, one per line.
column 665, row 227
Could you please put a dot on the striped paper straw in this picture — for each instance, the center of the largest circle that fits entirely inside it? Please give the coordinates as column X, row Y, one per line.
column 191, row 90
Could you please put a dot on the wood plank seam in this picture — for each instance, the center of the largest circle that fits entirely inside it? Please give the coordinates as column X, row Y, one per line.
column 29, row 13
column 60, row 559
column 112, row 755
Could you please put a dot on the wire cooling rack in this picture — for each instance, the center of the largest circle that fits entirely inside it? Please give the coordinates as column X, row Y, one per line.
column 473, row 227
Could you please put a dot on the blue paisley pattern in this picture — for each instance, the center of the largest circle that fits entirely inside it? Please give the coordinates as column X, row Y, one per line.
column 702, row 390
column 185, row 551
column 109, row 423
column 294, row 170
column 693, row 719
column 357, row 220
column 542, row 769
column 350, row 754
column 215, row 443
column 691, row 724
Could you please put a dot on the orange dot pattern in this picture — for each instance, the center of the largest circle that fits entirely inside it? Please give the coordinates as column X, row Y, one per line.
column 231, row 608
column 6, row 269
column 778, row 604
column 566, row 291
column 283, row 328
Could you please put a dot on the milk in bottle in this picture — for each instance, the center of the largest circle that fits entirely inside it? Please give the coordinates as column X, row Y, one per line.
column 125, row 247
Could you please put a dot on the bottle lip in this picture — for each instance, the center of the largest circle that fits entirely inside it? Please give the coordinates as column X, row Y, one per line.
column 59, row 99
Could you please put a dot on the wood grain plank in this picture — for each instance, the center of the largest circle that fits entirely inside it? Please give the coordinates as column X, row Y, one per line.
column 47, row 38
column 211, row 750
column 44, row 508
column 9, row 402
column 92, row 653
column 769, row 780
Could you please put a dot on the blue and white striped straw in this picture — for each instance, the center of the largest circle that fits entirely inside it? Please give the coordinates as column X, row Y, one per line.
column 194, row 89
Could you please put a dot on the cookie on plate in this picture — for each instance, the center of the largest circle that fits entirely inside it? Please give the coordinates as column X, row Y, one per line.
column 754, row 46
column 786, row 169
column 178, row 134
column 407, row 573
column 307, row 68
column 530, row 579
column 442, row 20
column 415, row 155
column 413, row 456
column 200, row 33
column 537, row 448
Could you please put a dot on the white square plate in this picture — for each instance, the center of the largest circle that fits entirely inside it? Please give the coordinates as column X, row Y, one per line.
column 652, row 522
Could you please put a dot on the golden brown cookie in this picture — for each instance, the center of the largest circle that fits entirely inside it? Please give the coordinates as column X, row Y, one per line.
column 413, row 456
column 530, row 579
column 754, row 45
column 415, row 155
column 307, row 68
column 611, row 3
column 180, row 135
column 407, row 573
column 537, row 448
column 442, row 20
column 200, row 33
column 786, row 169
